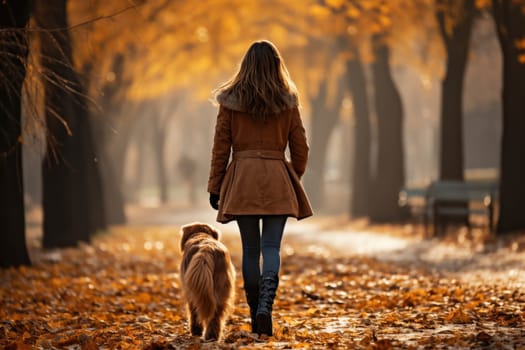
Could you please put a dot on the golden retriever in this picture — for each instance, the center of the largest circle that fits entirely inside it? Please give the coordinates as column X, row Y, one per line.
column 208, row 279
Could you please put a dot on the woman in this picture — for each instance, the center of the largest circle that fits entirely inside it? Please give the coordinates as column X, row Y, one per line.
column 258, row 117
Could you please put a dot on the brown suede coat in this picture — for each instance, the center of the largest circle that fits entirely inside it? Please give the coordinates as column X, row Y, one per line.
column 258, row 179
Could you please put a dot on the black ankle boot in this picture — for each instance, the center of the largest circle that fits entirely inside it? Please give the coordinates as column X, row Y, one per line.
column 252, row 298
column 269, row 284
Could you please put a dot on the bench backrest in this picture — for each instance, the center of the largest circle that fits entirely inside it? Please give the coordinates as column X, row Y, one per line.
column 452, row 190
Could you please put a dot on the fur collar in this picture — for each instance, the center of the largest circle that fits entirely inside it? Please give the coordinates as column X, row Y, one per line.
column 229, row 101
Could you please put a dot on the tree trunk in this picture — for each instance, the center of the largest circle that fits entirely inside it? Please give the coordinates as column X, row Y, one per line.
column 361, row 165
column 324, row 118
column 159, row 142
column 451, row 158
column 92, row 156
column 72, row 205
column 13, row 54
column 113, row 144
column 117, row 152
column 140, row 140
column 456, row 41
column 509, row 18
column 106, row 136
column 390, row 170
column 113, row 198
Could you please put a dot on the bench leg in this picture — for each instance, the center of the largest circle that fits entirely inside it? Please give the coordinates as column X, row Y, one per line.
column 425, row 224
column 491, row 218
column 437, row 221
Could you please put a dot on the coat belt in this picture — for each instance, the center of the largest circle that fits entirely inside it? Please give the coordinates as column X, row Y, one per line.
column 263, row 154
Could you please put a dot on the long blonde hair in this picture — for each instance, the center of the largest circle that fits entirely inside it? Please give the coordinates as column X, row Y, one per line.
column 262, row 85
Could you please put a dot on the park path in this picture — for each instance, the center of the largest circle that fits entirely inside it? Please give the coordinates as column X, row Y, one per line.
column 384, row 287
column 344, row 285
column 469, row 260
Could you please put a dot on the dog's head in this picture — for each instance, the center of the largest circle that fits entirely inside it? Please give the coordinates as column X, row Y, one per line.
column 189, row 230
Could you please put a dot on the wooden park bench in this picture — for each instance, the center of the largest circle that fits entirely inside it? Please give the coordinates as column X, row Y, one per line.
column 446, row 201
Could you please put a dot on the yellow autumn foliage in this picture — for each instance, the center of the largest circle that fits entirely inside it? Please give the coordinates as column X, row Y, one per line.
column 175, row 46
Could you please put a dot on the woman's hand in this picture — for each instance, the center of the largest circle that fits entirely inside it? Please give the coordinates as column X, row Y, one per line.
column 214, row 201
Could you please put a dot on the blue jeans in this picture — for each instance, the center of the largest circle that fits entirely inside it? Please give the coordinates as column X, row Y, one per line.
column 254, row 242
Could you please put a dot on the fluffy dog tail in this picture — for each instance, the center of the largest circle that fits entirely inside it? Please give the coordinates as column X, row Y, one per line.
column 199, row 283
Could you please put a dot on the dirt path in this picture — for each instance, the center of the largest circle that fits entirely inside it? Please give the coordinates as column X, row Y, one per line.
column 343, row 285
column 458, row 257
column 449, row 273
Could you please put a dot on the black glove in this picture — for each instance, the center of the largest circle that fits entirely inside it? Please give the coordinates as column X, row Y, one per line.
column 214, row 201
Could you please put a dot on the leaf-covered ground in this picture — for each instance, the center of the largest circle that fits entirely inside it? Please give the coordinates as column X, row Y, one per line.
column 123, row 292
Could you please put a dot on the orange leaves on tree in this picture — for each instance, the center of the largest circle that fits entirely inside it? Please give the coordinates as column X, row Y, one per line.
column 320, row 11
column 336, row 4
column 482, row 4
